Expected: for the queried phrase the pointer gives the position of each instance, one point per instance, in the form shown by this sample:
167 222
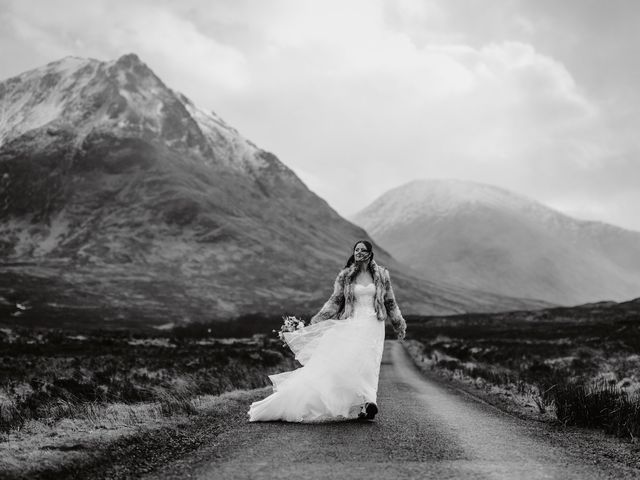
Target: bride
340 350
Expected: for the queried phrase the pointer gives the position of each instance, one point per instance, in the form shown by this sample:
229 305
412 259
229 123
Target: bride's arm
393 311
335 303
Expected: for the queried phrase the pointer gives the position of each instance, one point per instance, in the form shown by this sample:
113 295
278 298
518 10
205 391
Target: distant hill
122 201
483 237
623 315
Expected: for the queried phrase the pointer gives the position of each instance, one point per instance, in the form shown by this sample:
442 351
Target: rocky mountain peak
123 97
131 61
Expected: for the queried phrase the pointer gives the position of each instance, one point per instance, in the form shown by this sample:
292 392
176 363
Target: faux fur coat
340 304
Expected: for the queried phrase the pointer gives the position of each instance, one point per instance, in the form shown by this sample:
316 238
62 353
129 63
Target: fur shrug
340 304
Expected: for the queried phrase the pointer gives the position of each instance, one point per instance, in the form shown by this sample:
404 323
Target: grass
50 375
605 406
580 365
122 441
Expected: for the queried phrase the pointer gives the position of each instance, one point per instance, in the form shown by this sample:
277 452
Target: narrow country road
424 430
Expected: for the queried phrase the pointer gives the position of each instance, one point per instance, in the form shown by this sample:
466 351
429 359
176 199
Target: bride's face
360 253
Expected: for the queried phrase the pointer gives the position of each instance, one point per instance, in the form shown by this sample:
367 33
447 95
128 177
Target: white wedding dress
341 365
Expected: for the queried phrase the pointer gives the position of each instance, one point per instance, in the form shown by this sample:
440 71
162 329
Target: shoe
368 411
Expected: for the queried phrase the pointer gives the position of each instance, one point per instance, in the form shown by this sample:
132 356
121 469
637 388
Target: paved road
425 429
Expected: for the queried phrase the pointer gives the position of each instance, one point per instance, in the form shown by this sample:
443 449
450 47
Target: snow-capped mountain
119 195
123 97
484 237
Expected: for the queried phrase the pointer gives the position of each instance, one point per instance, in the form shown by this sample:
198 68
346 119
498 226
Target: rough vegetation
49 375
579 365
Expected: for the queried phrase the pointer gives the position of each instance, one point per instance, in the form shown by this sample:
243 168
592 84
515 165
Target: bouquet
290 324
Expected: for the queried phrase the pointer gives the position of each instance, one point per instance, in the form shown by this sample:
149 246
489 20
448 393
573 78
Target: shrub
600 406
72 377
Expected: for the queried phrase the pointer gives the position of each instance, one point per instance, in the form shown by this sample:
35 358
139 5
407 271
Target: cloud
595 206
361 96
107 29
400 112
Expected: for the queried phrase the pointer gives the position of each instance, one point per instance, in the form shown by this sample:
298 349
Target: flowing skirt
341 365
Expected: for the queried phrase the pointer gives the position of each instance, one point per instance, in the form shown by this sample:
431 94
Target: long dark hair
352 258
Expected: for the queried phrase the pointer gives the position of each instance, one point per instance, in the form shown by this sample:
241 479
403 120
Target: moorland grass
580 364
49 375
598 406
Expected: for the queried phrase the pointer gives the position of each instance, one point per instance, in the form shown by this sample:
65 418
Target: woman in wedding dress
340 350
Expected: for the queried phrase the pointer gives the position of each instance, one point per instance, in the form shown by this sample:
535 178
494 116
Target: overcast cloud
359 96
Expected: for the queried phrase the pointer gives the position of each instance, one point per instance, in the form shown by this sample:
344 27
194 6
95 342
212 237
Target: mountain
123 202
482 237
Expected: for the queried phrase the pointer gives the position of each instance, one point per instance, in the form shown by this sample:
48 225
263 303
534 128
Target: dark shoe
369 411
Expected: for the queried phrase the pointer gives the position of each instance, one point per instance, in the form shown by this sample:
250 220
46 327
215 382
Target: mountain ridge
134 198
479 236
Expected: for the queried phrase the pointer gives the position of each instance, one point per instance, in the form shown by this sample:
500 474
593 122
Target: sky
360 96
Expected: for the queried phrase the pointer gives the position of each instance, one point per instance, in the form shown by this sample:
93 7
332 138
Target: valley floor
427 425
74 448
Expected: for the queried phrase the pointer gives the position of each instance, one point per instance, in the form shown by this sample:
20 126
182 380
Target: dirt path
425 429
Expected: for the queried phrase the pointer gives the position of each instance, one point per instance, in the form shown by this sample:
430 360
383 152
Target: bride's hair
352 258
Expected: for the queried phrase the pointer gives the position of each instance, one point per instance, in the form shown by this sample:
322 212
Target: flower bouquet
290 324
